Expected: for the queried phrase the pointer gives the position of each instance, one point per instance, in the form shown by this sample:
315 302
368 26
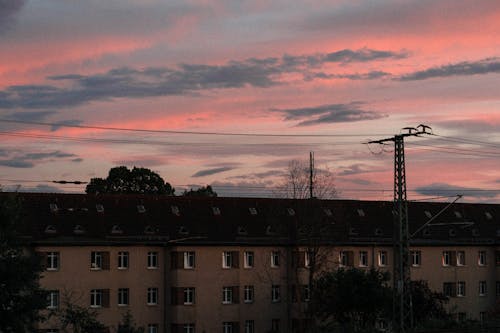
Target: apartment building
243 265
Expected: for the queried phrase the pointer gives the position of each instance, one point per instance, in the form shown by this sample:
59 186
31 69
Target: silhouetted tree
428 305
77 319
21 297
200 192
128 326
138 180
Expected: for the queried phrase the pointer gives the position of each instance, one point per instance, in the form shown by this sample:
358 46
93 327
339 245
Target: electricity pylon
402 303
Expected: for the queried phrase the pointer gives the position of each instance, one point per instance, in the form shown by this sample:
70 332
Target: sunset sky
322 76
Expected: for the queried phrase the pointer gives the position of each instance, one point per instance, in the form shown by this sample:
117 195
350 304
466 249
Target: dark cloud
185 79
260 175
484 66
356 169
471 126
55 126
442 189
13 159
8 10
208 172
331 113
142 161
29 116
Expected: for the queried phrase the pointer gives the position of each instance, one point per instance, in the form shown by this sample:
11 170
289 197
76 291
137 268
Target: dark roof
150 219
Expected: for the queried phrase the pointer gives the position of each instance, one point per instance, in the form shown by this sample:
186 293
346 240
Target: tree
21 297
428 305
352 298
122 180
201 192
128 326
77 319
297 179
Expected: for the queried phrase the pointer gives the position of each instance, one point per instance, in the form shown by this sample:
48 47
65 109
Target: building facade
243 265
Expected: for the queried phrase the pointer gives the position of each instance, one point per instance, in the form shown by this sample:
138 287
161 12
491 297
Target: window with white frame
123 296
189 259
481 260
460 258
152 328
248 259
152 260
275 293
416 258
248 294
152 297
345 258
96 298
96 260
249 326
482 288
227 295
363 258
227 259
308 256
306 293
382 258
227 327
52 261
189 294
275 259
188 328
122 260
461 288
446 259
53 299
497 288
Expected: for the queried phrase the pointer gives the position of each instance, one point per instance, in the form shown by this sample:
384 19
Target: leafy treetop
201 192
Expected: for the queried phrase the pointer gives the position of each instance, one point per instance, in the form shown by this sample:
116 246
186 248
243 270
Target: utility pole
311 175
402 303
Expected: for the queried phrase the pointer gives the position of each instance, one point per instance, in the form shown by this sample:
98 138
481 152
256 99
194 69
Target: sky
291 76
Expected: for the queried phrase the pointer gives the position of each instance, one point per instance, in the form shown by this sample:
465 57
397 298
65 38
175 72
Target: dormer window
488 215
53 208
378 232
216 211
270 230
99 208
426 232
361 213
148 230
183 230
78 230
328 212
475 232
252 210
175 210
116 230
291 211
458 215
50 229
353 232
141 209
452 232
428 214
242 231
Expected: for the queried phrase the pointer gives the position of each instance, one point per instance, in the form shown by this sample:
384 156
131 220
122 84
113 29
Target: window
482 288
306 293
275 325
52 261
275 293
189 296
189 258
188 328
99 260
53 299
275 259
462 316
460 258
498 288
346 258
363 259
252 210
248 258
229 295
122 296
249 326
152 328
248 294
497 258
308 256
122 260
481 260
382 258
461 288
449 289
230 259
446 258
228 327
152 296
152 260
99 298
482 316
416 258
